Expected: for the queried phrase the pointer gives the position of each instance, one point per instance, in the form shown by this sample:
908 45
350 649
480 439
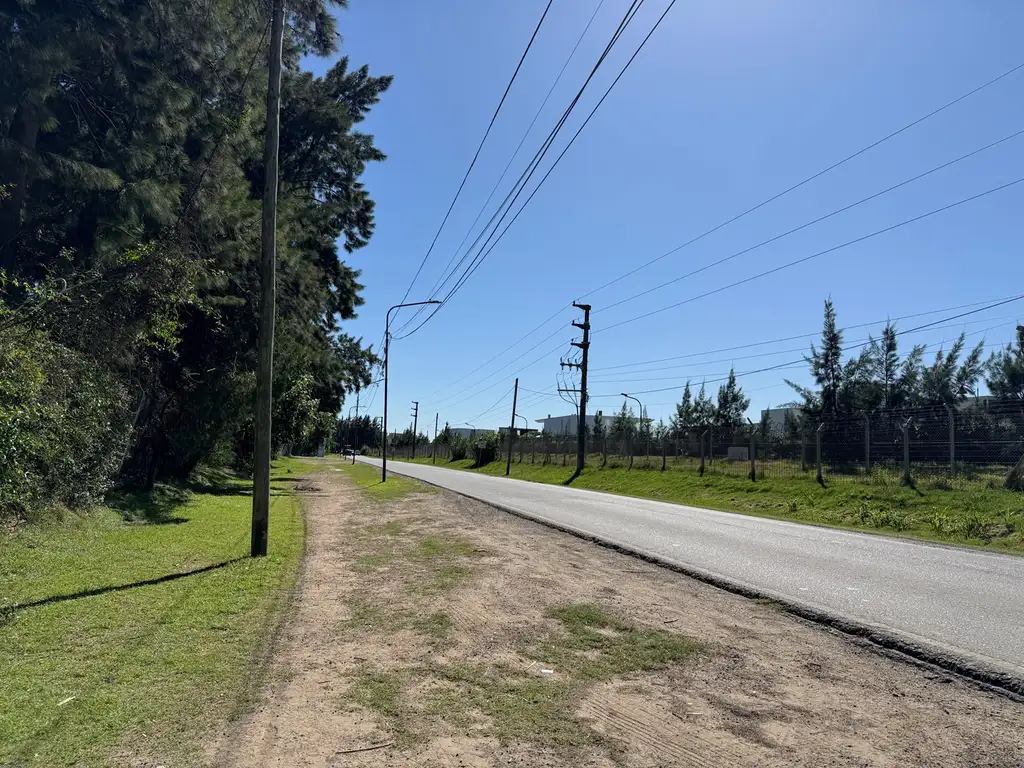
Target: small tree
598 426
732 404
1005 370
703 409
623 425
683 418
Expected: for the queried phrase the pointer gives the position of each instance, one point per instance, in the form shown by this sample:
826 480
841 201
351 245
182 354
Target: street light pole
642 411
387 348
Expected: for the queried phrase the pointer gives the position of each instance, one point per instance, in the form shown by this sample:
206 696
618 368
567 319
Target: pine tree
703 409
624 424
732 405
826 363
683 418
947 381
598 428
1005 370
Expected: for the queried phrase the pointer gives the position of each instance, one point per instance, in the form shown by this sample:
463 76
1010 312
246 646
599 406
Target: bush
459 447
64 426
486 449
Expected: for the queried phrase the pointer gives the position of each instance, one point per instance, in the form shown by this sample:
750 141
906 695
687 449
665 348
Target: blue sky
729 103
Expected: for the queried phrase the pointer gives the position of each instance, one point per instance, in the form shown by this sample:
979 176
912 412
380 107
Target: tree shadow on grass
8 612
572 478
155 507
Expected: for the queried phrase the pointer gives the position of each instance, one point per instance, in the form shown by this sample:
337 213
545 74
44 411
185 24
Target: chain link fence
981 442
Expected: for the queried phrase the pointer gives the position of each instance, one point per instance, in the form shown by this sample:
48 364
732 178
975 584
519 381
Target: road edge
973 668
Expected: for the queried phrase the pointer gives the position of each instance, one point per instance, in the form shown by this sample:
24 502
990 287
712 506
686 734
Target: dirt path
457 635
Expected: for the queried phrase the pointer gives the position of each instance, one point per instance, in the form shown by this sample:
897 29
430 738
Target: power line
511 159
803 362
531 168
488 244
798 336
695 376
834 248
513 344
810 178
480 146
479 260
815 221
550 336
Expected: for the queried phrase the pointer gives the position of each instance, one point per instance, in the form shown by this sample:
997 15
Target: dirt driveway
430 630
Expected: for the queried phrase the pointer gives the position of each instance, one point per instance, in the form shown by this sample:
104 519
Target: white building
566 425
777 416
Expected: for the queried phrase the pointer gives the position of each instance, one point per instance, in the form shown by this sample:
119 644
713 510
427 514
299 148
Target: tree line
131 142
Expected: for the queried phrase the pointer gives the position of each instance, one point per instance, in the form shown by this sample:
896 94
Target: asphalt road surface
959 602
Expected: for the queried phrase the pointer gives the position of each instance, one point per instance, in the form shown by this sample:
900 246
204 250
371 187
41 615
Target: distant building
777 416
467 432
566 425
519 431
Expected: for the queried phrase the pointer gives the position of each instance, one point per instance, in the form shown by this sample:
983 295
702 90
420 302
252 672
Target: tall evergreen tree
1005 370
703 409
732 404
683 418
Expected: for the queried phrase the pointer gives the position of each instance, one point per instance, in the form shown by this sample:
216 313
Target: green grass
598 646
961 512
378 691
368 478
99 657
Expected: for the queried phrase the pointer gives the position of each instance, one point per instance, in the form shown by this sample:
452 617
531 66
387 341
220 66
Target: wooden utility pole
512 426
268 293
581 421
355 432
415 424
433 452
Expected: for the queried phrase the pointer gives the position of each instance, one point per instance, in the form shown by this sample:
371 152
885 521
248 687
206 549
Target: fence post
905 427
867 443
604 452
520 450
630 448
817 446
753 456
702 436
803 450
952 440
664 454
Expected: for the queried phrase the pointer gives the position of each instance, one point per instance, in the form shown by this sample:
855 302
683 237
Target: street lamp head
624 394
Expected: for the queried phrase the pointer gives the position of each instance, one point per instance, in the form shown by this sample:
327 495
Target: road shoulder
441 631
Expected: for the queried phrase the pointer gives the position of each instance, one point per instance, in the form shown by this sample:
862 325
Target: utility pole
584 346
415 424
268 294
512 426
355 433
433 452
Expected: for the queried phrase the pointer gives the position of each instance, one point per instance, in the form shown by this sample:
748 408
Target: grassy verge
126 632
368 478
967 513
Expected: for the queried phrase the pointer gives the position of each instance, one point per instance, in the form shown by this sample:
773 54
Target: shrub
64 426
486 449
459 447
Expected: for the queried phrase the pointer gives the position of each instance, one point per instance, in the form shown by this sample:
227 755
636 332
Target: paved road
942 598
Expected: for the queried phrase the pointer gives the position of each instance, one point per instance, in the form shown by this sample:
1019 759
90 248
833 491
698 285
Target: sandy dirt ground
405 606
